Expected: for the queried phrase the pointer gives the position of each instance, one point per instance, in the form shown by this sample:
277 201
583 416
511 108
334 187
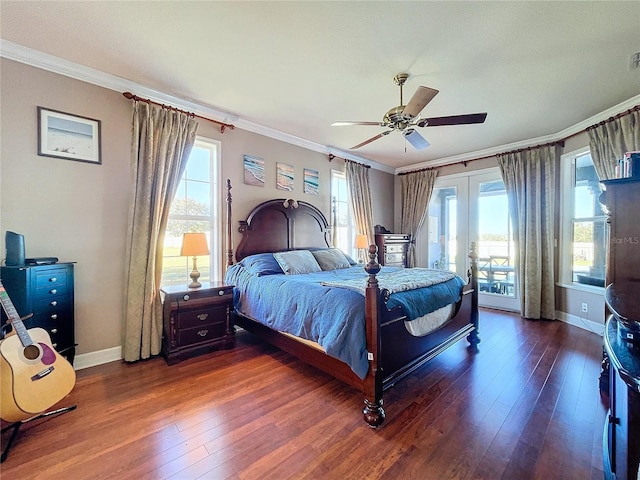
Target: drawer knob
53 291
54 330
52 279
221 292
54 303
203 333
203 316
186 297
54 316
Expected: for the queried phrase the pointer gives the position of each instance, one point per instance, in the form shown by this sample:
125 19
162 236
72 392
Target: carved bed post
373 412
473 338
229 236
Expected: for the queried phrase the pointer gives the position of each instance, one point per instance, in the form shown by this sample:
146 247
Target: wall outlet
585 308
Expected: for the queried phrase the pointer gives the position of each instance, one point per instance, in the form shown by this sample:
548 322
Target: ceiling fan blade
452 120
419 100
415 139
347 124
380 135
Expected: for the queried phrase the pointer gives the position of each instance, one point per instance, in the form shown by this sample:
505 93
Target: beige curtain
416 188
530 180
357 176
162 141
611 139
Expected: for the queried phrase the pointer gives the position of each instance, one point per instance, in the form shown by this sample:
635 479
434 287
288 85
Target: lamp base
194 275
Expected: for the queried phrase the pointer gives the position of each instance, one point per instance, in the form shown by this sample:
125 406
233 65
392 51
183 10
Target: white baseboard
594 327
92 359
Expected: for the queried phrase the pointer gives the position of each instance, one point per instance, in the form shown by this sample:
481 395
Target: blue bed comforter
331 316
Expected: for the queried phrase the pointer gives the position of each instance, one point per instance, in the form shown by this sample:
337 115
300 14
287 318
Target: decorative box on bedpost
373 412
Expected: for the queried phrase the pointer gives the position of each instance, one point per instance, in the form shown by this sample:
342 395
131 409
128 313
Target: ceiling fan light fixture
415 139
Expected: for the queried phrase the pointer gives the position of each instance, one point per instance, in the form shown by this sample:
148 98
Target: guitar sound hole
31 352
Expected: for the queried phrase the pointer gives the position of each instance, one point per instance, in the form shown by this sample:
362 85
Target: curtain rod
136 98
332 156
615 117
561 142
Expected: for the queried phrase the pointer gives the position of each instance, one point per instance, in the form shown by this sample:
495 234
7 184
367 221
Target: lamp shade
361 241
194 244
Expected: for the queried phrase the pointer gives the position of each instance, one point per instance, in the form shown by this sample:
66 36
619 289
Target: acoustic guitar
33 376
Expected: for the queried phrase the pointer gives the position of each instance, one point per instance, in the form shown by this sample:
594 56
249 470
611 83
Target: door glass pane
496 252
442 228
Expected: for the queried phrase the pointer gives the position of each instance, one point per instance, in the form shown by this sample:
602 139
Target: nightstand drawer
196 320
197 317
203 333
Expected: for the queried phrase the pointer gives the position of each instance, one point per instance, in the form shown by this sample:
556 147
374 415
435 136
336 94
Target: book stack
629 166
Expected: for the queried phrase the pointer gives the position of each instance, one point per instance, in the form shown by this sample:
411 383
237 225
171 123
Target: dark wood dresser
622 433
196 320
621 363
47 291
392 249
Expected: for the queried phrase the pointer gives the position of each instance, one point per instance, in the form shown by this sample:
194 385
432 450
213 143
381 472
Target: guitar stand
16 426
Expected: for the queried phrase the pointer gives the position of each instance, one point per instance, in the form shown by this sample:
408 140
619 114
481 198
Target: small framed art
72 137
311 181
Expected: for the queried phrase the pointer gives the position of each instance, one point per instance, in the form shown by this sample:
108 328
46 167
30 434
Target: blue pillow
261 264
296 262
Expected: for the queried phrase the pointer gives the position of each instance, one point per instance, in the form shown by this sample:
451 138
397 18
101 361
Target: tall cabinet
46 291
621 365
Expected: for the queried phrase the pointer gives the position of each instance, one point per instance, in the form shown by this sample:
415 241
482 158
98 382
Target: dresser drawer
396 258
51 303
55 277
394 248
203 333
201 316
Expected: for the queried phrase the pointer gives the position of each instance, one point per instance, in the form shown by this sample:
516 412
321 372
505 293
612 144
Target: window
344 230
584 233
195 208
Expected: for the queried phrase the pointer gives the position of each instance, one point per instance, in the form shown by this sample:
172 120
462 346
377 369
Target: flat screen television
14 244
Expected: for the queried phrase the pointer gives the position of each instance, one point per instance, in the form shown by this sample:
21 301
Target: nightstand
196 320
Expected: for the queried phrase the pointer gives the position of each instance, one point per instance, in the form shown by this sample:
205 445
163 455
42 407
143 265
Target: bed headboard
280 225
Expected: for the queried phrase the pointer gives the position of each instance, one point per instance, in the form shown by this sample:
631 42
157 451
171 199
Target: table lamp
193 245
362 243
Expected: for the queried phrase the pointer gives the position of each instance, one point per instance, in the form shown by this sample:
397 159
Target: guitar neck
13 318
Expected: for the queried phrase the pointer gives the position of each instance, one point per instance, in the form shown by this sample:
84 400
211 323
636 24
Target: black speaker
14 243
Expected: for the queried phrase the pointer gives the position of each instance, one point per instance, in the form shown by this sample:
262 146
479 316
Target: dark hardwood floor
526 406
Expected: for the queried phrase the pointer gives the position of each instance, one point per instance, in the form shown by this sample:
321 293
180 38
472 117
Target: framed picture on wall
72 137
311 182
253 171
284 176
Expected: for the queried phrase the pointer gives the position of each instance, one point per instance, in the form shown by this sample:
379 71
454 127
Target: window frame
567 220
338 175
215 217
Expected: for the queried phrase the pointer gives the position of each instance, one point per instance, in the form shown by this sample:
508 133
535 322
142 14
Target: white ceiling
537 68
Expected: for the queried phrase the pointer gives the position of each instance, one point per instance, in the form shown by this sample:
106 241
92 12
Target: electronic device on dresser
620 378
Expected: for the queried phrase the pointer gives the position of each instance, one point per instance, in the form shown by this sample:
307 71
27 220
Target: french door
472 208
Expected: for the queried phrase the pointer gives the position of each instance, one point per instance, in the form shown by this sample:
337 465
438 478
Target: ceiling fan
405 117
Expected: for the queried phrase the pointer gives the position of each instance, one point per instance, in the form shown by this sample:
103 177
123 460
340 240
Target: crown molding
51 63
556 137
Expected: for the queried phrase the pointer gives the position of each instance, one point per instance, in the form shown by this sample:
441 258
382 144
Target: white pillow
296 262
331 259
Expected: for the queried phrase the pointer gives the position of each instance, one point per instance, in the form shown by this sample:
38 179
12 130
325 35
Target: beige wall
78 211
